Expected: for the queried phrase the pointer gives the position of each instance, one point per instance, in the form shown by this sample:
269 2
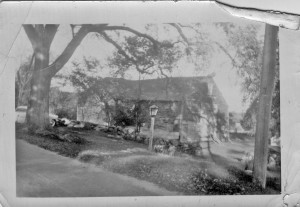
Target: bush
66 113
189 148
68 149
127 116
203 183
123 118
238 183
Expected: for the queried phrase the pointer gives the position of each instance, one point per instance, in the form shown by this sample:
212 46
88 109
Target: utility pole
265 103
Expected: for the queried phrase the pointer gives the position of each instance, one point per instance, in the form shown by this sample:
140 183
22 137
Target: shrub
63 148
189 148
238 183
204 183
66 113
123 118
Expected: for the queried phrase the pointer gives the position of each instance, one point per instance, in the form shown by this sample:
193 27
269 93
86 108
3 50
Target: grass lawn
217 171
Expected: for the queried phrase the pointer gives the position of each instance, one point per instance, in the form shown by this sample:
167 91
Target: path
42 173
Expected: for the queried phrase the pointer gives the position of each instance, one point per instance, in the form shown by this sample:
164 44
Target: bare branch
192 28
68 51
178 28
218 44
228 54
162 72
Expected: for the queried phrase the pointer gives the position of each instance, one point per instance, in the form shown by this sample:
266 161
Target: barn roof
168 89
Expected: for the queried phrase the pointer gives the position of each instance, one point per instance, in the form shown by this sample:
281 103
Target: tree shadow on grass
233 151
219 159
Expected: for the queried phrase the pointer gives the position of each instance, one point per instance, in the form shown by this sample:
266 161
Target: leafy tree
247 60
140 115
93 88
249 119
259 78
143 58
63 104
246 56
22 82
275 113
161 62
41 38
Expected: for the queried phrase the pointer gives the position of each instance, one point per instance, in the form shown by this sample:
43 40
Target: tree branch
119 48
31 34
122 52
79 36
50 30
192 28
156 43
178 28
162 72
228 54
68 51
72 29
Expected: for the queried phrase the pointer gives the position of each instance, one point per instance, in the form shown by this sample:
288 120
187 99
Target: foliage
63 148
139 114
198 100
248 63
247 60
188 43
91 88
249 119
201 101
63 104
220 122
22 82
238 183
123 117
275 111
66 113
41 37
139 54
128 115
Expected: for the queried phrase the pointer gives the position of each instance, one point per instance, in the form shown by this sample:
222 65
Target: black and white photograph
149 103
147 109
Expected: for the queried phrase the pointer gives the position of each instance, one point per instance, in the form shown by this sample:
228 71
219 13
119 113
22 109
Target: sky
225 76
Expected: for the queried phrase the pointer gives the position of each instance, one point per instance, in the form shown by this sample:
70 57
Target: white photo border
14 14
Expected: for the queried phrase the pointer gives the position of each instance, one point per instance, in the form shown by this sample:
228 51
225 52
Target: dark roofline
188 78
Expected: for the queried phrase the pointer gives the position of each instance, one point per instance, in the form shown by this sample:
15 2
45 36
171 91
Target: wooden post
181 120
152 134
265 102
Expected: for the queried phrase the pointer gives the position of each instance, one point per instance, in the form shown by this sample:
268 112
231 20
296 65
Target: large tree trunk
265 103
41 37
38 104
